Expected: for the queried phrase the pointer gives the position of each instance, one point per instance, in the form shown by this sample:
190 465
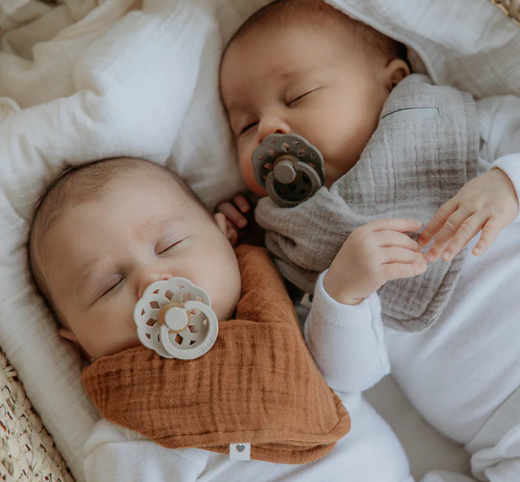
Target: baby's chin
224 304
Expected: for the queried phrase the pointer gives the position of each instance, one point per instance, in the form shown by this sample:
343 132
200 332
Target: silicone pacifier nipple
289 168
174 318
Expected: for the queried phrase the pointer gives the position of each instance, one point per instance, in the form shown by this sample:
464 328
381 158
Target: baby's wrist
337 294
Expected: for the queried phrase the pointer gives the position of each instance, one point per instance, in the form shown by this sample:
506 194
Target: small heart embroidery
240 448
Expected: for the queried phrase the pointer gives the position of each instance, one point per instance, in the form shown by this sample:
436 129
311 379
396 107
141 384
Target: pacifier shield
174 318
289 168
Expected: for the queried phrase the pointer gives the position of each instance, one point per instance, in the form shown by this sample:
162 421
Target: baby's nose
268 133
272 124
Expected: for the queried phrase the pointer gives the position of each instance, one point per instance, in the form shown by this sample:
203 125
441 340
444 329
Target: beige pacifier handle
175 316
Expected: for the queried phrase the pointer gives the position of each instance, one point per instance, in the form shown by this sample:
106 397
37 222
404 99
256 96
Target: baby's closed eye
165 246
296 99
248 126
116 281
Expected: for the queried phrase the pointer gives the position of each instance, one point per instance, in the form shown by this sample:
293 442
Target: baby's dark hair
319 12
79 184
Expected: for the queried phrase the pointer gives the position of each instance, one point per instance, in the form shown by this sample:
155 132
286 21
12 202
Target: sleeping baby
394 146
106 236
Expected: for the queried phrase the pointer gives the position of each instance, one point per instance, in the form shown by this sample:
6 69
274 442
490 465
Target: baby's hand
233 211
372 255
488 203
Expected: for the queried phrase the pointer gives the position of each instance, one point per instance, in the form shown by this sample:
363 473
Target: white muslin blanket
91 79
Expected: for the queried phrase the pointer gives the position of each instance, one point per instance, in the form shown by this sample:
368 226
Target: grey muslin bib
423 151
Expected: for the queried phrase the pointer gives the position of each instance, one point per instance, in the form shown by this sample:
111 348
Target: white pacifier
174 318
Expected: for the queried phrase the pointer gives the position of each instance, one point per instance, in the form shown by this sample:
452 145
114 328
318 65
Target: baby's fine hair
78 184
359 35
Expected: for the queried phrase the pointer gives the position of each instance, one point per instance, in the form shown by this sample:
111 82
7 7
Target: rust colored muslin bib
258 384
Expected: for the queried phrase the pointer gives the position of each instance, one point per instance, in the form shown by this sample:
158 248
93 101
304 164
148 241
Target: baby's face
102 255
300 80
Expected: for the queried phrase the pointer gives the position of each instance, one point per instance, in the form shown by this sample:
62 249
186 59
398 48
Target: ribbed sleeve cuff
327 308
510 164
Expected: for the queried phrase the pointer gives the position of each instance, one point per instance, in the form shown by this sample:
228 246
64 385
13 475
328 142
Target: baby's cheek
248 175
110 327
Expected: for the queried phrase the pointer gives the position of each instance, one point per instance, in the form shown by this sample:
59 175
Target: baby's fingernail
430 257
241 223
424 267
476 251
446 256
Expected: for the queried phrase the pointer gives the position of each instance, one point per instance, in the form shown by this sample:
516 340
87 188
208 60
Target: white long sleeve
112 454
347 342
459 372
499 124
369 452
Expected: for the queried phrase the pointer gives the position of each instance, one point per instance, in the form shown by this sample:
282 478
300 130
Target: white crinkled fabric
90 79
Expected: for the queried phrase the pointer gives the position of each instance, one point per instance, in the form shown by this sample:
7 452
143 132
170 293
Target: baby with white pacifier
105 232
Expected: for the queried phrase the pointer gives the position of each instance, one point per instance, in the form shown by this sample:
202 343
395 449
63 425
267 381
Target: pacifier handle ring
209 341
314 179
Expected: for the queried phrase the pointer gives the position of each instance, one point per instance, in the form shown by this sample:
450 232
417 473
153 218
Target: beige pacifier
174 318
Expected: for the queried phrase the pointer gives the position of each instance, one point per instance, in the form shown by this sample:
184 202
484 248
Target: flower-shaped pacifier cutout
174 318
289 168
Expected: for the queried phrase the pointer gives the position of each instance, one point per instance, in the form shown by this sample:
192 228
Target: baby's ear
68 335
396 71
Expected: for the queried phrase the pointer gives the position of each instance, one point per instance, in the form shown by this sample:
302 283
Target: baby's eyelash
178 241
298 98
105 292
247 127
301 96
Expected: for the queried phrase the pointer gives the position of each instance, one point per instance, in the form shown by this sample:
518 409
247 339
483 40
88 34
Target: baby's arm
111 456
344 331
347 342
489 202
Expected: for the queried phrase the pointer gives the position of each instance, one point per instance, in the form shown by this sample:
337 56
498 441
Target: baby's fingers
469 228
402 255
489 233
387 239
393 224
232 214
436 223
242 204
450 228
403 270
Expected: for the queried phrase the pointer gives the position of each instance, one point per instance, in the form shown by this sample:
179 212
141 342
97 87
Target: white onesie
463 373
370 452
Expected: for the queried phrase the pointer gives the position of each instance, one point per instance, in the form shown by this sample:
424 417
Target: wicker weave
510 7
27 451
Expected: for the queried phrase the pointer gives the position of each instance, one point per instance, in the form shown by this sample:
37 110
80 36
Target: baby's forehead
342 35
98 183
